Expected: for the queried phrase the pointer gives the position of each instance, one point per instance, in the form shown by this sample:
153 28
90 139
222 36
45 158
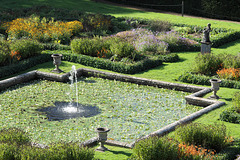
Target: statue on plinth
206 33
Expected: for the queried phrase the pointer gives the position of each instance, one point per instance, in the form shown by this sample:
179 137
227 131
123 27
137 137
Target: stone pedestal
206 47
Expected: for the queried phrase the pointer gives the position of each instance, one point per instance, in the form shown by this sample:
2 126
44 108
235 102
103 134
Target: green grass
113 153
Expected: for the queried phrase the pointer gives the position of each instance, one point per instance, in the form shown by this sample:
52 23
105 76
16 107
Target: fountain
67 110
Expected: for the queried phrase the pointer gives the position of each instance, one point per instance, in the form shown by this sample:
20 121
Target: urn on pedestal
215 87
57 62
102 137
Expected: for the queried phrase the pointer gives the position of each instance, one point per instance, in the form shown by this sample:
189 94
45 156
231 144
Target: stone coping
194 98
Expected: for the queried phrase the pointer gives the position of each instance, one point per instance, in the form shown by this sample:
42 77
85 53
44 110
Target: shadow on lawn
120 152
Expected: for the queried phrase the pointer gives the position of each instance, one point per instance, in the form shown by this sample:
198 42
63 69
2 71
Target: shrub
207 64
145 41
26 48
178 43
149 44
208 136
230 61
122 50
159 26
4 52
155 148
94 22
87 46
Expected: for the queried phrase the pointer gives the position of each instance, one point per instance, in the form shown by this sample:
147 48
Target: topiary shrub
208 136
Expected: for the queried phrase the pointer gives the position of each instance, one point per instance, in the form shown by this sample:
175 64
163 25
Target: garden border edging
194 98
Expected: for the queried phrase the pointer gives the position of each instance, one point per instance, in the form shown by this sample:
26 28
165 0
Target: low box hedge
119 67
89 61
189 77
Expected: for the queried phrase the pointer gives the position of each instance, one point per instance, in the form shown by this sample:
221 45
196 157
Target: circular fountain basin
66 110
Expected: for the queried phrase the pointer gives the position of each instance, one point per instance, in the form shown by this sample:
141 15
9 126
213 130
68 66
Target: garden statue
206 32
206 43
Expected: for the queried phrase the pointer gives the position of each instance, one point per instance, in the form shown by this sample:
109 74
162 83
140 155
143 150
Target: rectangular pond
129 110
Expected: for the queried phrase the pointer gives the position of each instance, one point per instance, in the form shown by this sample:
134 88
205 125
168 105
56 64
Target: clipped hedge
180 48
173 57
189 77
24 65
113 66
225 37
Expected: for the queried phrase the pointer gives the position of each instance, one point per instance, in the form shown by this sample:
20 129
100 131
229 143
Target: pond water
129 110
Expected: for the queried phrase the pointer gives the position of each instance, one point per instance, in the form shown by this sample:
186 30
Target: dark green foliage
207 8
26 47
220 9
4 52
155 148
193 78
208 136
23 65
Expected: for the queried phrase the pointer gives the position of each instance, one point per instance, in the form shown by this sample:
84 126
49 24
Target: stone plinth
206 47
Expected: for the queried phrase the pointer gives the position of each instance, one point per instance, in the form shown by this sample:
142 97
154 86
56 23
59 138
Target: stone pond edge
194 98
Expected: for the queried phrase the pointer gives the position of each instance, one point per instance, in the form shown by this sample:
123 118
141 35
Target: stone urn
57 62
215 87
102 137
